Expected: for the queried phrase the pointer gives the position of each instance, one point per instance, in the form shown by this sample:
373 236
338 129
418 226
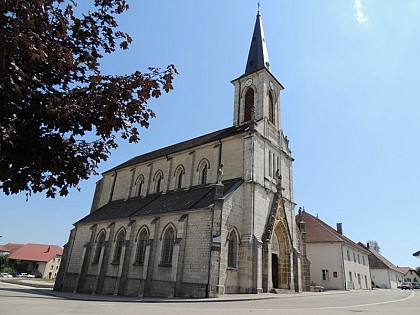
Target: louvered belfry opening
271 107
249 104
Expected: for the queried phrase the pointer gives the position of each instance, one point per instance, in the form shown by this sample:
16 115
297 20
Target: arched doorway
280 257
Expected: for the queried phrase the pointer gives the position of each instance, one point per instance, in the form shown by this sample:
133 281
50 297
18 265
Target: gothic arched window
232 249
158 181
168 246
204 175
249 104
270 107
100 241
119 243
141 246
179 175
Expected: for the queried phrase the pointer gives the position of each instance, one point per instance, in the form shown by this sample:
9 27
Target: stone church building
208 216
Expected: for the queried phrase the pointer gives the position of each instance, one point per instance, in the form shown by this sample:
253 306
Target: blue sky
349 108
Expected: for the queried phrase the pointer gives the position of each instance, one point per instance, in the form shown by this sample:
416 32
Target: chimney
340 228
368 245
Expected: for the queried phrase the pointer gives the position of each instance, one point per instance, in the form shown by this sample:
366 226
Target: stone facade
212 215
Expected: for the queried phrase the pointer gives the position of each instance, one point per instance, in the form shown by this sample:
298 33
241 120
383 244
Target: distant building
336 262
410 274
42 260
384 273
4 250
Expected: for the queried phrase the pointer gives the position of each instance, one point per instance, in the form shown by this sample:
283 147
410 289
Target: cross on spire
258 4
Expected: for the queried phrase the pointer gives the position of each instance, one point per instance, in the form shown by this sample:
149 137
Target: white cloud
360 15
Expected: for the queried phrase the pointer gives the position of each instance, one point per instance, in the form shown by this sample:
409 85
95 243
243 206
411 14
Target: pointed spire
258 55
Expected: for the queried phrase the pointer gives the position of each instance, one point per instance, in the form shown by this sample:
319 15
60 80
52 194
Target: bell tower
257 91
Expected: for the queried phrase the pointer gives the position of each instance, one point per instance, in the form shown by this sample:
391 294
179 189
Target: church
208 216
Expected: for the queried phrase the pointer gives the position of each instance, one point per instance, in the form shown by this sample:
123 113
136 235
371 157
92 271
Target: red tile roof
4 249
317 231
12 247
37 252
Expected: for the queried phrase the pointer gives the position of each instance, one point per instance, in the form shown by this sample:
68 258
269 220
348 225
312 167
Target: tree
418 270
374 245
60 116
5 264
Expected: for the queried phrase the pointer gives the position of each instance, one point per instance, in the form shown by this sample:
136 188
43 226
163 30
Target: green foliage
60 115
5 264
374 245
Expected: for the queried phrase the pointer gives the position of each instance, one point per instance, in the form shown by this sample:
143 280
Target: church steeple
257 91
258 55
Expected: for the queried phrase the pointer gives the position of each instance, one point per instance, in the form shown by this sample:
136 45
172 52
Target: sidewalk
45 287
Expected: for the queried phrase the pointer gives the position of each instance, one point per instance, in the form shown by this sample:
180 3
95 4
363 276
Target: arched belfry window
232 249
119 243
100 242
249 104
141 246
270 107
168 246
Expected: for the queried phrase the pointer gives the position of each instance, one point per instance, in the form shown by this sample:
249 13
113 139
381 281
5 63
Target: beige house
410 274
384 274
204 217
42 260
336 262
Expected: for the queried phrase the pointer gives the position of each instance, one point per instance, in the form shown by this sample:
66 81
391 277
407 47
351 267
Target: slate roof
185 145
317 231
177 200
377 261
258 54
37 252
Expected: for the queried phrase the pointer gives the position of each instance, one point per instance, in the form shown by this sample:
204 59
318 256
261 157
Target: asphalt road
18 300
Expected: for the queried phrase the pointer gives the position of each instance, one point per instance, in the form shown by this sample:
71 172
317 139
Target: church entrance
275 270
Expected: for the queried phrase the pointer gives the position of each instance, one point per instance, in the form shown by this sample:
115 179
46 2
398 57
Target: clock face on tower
248 82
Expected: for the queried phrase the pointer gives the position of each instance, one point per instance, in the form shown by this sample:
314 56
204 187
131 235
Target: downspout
344 271
210 247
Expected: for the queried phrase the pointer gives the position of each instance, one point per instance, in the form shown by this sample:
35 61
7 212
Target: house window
270 107
232 250
348 255
354 257
350 276
358 258
141 246
325 275
358 280
335 275
366 284
119 242
168 246
363 260
249 104
99 245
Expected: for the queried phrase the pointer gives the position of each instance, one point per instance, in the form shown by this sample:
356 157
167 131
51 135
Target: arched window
158 181
270 107
140 184
119 242
141 246
232 249
204 175
100 241
179 176
249 104
168 246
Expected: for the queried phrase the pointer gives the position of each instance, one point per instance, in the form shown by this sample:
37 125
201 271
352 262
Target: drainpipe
210 247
